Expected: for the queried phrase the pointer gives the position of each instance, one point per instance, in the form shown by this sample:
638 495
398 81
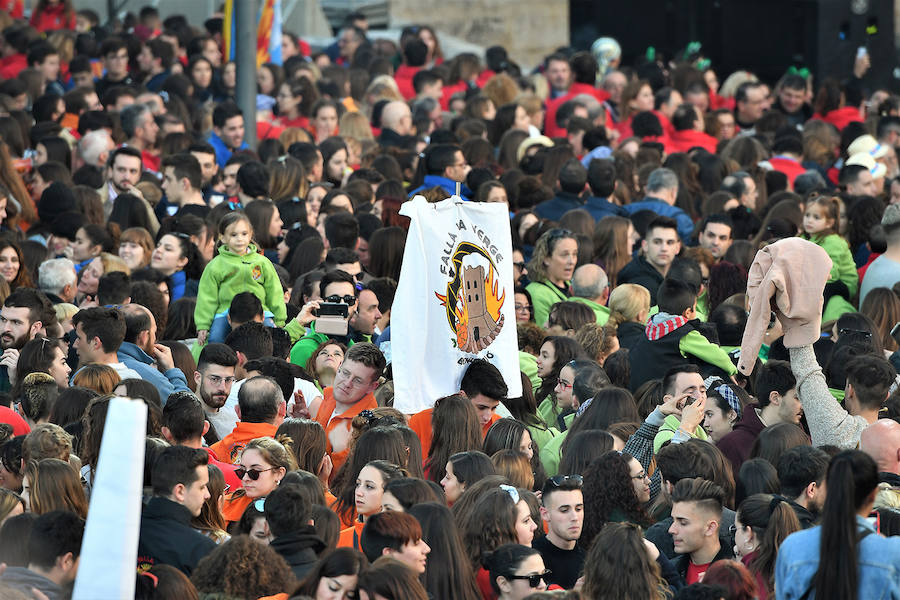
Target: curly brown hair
491 524
242 568
608 489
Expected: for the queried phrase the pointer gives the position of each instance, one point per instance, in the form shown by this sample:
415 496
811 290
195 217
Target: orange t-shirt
229 448
329 421
421 424
349 537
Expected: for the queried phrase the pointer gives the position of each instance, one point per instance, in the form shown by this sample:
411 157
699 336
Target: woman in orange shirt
264 463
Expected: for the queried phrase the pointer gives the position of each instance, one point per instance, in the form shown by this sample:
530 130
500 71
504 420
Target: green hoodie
229 274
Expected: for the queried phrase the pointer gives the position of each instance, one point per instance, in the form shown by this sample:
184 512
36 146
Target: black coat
168 538
300 549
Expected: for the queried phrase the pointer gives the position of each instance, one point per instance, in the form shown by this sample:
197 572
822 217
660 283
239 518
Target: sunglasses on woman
253 474
533 580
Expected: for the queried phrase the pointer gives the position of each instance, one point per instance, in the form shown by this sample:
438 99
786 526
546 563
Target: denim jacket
798 561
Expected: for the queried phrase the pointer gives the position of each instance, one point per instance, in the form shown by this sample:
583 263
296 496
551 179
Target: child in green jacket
238 267
820 225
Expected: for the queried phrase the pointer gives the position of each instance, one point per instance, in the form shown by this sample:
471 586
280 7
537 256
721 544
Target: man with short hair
660 247
697 515
352 392
311 157
682 384
750 104
884 271
396 124
558 72
58 280
590 286
100 333
114 289
260 410
114 56
742 185
349 41
572 179
601 178
228 131
687 131
791 101
94 148
44 58
155 59
397 535
26 312
294 537
141 132
184 424
182 183
179 477
801 474
341 231
483 384
140 352
562 509
715 234
787 153
214 379
662 191
209 168
337 287
777 402
54 549
445 166
366 316
869 380
122 174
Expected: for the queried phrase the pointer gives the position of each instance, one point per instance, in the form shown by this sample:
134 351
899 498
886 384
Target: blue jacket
135 358
555 208
223 153
601 207
448 184
878 560
664 209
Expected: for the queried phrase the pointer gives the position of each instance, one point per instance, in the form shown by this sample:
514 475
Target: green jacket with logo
227 275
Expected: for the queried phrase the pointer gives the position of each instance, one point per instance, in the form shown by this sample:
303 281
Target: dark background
763 36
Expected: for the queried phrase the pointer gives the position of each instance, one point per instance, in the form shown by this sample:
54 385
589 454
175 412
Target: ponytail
772 519
852 475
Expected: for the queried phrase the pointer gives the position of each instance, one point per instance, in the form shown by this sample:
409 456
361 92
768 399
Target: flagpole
246 14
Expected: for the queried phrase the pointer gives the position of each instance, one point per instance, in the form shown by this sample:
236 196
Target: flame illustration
493 303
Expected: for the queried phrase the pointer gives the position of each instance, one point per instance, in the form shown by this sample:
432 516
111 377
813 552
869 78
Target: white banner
454 301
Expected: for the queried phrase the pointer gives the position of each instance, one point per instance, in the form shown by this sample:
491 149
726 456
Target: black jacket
726 552
641 272
629 334
300 549
168 538
807 519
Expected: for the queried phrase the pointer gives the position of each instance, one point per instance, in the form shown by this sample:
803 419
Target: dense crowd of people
706 302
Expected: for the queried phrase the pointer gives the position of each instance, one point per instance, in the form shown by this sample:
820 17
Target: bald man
881 441
141 353
590 286
396 124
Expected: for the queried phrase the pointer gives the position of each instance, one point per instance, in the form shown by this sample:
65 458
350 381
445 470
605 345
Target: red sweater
404 78
682 141
840 117
53 18
788 166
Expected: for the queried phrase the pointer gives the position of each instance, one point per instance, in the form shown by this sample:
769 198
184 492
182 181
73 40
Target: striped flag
268 37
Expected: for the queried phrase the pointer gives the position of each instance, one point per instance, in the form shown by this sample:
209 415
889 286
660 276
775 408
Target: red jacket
788 166
15 8
11 65
682 141
404 78
585 88
449 90
840 117
53 18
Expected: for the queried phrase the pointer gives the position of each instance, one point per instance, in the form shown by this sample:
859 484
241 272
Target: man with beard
25 313
140 352
801 472
214 377
122 174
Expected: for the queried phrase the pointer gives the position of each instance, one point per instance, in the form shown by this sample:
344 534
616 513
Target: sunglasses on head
335 299
533 580
558 480
253 474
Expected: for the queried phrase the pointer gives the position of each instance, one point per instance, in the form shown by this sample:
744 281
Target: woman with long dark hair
841 559
555 353
761 523
449 574
456 428
616 487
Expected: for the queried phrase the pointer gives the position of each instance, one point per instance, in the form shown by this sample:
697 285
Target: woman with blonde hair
53 484
383 87
515 466
11 504
294 134
629 306
613 244
355 125
263 464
